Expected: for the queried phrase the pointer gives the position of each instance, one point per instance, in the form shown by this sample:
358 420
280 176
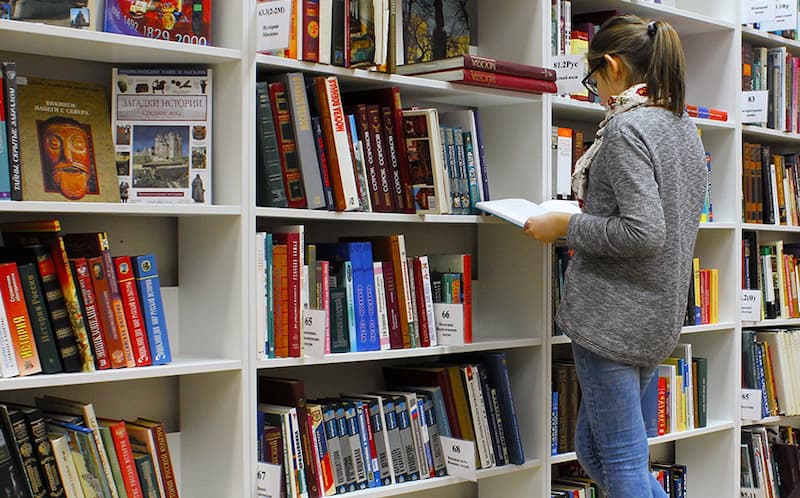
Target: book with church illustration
161 122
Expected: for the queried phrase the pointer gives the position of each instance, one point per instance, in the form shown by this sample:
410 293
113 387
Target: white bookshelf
206 254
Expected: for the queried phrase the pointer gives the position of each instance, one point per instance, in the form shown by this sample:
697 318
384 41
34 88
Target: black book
270 190
9 77
37 431
43 333
13 480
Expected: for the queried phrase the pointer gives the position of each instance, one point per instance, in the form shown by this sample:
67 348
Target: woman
642 184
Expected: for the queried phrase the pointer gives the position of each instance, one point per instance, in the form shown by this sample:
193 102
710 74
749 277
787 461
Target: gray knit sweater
627 283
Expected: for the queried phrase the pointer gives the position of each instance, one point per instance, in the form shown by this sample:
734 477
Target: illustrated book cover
161 122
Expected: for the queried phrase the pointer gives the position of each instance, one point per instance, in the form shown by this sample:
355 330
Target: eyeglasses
590 82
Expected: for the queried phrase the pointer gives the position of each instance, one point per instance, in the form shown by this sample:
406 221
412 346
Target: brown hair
652 53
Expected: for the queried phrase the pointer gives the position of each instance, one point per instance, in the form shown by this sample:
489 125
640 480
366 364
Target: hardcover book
66 153
70 13
161 120
182 21
12 474
425 161
434 29
149 287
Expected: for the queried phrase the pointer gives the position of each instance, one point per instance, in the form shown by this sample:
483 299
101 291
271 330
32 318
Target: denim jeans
610 438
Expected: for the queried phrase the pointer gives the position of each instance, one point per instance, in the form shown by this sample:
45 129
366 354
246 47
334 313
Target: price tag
754 106
751 404
273 18
449 324
785 16
570 70
459 458
751 305
314 333
757 11
268 480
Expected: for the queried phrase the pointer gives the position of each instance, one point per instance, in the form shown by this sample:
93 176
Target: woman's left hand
547 227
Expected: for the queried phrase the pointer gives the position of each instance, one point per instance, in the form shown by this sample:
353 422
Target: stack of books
485 71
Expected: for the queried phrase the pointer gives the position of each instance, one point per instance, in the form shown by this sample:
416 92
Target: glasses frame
591 83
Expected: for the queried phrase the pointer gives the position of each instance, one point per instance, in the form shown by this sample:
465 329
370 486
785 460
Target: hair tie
651 29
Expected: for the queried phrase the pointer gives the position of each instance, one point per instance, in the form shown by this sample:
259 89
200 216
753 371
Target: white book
413 331
342 144
482 436
794 341
325 30
380 301
517 211
261 297
428 293
8 359
66 466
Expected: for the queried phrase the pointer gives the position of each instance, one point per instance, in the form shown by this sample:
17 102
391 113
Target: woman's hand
547 227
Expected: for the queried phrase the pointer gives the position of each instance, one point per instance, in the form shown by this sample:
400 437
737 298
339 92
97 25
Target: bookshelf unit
206 254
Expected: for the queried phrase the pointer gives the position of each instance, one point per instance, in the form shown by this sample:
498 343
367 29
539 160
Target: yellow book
772 398
696 274
714 297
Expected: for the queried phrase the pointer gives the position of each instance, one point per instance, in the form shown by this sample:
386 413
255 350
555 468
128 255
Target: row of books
769 363
335 445
771 266
702 306
770 186
59 447
375 296
67 305
185 22
770 461
570 481
319 149
777 71
675 400
148 141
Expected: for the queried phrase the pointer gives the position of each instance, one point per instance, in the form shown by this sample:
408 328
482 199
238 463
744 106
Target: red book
133 310
386 187
287 148
662 406
93 321
310 30
494 80
487 64
717 115
323 272
19 321
292 237
280 311
380 196
122 447
102 291
422 313
392 306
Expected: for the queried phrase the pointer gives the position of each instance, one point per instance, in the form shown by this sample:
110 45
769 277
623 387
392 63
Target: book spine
70 293
324 165
8 358
344 194
325 469
492 415
334 450
367 443
501 430
19 321
381 445
395 151
5 166
122 446
133 310
304 137
504 81
56 306
491 65
380 301
66 466
269 178
407 442
147 475
90 307
393 306
339 33
352 328
340 339
427 292
292 177
481 151
498 363
164 461
472 172
293 268
44 452
387 193
22 439
149 286
481 437
422 314
359 167
113 460
395 445
40 321
373 328
112 335
421 440
338 128
400 262
368 150
311 30
12 130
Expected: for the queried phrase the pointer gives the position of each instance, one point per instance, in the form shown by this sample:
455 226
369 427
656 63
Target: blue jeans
610 438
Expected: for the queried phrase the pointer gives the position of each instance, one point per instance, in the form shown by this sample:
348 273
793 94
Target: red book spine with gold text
127 466
102 291
19 320
505 81
133 310
93 322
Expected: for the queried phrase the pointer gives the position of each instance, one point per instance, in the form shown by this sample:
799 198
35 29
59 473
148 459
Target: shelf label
449 324
751 404
570 70
314 333
268 480
754 106
459 458
785 16
751 305
757 11
273 18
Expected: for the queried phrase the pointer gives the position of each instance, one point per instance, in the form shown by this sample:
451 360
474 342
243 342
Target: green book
701 398
147 474
42 330
116 471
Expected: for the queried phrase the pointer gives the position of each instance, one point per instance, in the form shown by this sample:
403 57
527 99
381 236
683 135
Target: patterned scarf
633 97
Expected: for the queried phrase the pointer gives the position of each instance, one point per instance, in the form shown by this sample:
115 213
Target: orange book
133 310
403 285
122 447
19 321
280 286
92 312
112 334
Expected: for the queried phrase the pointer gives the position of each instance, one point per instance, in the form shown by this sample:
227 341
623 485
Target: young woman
642 184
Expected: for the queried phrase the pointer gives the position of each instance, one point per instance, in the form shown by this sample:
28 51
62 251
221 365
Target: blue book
407 439
498 378
762 379
364 252
322 159
650 407
149 286
347 451
260 423
359 463
371 466
554 425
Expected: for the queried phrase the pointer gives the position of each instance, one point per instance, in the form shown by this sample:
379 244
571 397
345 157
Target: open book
517 211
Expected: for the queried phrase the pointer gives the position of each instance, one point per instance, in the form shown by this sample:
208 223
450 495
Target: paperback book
517 211
161 121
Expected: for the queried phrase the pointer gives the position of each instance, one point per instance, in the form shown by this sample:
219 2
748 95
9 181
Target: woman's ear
616 70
